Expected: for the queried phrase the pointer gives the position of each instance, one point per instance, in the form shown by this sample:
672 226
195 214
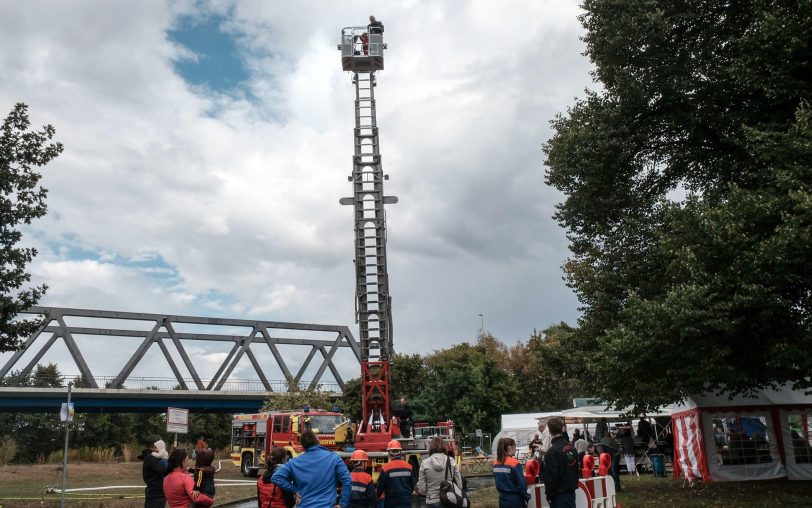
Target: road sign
66 413
177 420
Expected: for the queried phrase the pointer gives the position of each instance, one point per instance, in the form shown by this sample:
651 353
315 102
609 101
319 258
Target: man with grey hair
375 26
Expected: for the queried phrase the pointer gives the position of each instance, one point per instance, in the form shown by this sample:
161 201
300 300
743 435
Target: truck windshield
323 424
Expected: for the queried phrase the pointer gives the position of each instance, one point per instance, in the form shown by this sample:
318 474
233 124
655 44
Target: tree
467 385
408 376
549 376
710 291
36 435
21 201
350 401
296 398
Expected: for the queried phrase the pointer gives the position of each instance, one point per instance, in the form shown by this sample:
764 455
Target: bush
8 449
129 451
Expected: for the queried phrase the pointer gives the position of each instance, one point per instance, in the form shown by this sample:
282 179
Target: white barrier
596 492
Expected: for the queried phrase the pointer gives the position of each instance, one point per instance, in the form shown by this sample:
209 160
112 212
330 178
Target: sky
207 145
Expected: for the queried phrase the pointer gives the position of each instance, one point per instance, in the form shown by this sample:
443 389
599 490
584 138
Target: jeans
615 471
563 500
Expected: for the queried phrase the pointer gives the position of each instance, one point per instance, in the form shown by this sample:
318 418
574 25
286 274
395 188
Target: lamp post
481 324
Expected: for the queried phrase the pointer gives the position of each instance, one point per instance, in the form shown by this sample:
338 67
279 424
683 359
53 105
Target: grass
650 491
25 485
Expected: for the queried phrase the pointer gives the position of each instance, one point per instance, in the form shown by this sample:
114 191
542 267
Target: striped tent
723 438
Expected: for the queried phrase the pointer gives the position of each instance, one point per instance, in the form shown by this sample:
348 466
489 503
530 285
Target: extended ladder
373 300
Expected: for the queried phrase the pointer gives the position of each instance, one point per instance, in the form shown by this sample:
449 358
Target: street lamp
481 324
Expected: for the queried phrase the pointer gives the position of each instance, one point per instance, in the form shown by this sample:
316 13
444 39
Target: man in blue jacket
314 476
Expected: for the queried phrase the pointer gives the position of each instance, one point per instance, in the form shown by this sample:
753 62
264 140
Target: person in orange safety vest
396 483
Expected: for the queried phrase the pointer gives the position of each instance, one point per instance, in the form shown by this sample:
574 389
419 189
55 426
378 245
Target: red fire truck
253 435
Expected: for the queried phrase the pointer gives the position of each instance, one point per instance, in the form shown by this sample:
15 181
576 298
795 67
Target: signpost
66 415
177 421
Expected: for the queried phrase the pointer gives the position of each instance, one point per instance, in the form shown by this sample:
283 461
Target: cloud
236 190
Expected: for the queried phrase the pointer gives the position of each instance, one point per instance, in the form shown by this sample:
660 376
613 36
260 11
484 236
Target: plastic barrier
597 492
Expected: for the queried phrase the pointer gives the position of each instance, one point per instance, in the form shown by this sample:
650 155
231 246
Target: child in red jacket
269 494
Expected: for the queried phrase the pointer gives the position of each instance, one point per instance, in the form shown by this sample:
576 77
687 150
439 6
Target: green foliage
21 201
8 450
296 398
466 384
408 376
549 373
350 401
709 100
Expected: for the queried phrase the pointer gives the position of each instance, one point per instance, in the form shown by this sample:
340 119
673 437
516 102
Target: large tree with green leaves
466 384
687 180
22 200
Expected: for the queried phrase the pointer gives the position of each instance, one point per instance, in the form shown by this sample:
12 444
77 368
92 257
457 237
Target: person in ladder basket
395 483
375 26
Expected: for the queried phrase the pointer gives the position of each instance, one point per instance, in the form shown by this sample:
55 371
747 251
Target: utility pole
65 450
481 324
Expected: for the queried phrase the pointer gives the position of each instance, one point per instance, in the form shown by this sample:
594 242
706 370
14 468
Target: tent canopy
783 396
592 414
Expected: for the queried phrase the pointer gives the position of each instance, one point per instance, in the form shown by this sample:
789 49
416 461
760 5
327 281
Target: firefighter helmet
394 446
359 456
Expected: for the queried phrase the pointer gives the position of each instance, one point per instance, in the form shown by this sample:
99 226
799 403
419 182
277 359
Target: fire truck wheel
246 463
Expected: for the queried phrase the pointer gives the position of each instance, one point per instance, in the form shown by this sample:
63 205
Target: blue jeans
615 471
563 500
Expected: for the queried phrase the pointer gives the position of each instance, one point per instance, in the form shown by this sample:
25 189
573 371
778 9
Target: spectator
542 437
179 488
395 483
601 429
314 475
201 444
270 495
203 476
644 430
576 435
507 474
625 434
581 447
433 471
560 468
154 471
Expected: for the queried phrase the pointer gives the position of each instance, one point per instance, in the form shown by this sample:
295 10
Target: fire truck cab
254 435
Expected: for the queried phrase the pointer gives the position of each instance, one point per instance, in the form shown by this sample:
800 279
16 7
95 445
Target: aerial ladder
362 55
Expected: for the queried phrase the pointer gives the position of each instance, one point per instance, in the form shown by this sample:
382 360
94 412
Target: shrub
8 449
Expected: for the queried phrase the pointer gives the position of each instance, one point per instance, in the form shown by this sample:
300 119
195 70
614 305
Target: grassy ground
24 486
650 491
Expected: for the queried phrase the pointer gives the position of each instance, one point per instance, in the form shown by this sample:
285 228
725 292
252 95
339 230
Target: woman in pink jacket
179 487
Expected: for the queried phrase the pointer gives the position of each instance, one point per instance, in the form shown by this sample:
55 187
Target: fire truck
253 435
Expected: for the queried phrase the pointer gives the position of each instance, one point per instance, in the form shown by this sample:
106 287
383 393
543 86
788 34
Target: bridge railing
171 383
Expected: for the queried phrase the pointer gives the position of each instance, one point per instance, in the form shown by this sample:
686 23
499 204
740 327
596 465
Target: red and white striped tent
732 439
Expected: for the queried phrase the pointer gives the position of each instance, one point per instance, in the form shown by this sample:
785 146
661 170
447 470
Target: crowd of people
319 478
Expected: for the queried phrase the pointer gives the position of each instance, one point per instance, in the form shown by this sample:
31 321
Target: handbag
450 493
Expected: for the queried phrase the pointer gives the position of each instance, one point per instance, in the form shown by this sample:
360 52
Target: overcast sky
207 145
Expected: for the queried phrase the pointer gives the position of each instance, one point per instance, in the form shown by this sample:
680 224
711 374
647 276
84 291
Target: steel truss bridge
123 392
